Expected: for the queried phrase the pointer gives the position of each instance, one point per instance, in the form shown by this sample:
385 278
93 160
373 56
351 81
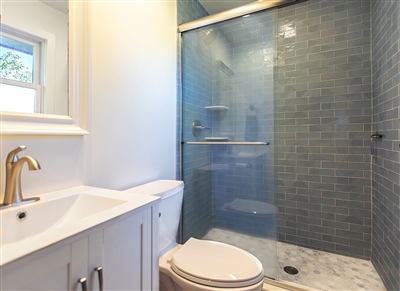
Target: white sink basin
32 219
58 215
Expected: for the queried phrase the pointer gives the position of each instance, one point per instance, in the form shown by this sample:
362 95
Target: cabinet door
79 264
96 263
150 245
38 271
122 254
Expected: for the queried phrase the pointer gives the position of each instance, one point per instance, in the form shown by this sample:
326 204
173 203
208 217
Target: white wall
61 160
132 111
133 93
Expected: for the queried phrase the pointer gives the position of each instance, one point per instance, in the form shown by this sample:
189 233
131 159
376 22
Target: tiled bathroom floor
319 270
326 271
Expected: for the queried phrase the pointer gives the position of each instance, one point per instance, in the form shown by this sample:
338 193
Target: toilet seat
216 264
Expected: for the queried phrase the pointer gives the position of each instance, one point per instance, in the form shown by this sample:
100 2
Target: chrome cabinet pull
99 271
83 283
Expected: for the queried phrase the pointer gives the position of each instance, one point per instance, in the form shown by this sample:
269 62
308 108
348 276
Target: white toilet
197 264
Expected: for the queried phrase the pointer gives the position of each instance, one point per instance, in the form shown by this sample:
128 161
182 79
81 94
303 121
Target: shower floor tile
326 271
317 269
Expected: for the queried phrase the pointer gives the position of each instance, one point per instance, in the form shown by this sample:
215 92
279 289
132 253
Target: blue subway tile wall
324 112
243 54
187 10
195 86
386 161
323 126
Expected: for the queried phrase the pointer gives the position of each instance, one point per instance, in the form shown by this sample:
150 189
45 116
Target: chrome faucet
13 192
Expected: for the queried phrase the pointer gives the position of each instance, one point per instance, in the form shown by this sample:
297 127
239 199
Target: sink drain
21 215
290 270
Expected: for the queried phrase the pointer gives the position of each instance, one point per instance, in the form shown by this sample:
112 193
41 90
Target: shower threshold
273 285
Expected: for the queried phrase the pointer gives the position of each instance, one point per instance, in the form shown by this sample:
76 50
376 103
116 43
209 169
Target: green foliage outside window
11 67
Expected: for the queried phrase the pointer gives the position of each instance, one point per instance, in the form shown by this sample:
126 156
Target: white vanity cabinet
43 270
126 248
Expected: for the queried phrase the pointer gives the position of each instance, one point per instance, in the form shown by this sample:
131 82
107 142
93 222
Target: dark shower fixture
197 128
375 137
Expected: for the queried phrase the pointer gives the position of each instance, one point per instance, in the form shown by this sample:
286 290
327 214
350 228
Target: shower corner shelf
217 107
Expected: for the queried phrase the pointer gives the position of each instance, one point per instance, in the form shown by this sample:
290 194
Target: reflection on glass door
227 127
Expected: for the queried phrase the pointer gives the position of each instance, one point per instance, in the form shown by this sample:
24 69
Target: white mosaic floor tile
326 271
317 269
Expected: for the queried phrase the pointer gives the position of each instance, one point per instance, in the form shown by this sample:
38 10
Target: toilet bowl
197 264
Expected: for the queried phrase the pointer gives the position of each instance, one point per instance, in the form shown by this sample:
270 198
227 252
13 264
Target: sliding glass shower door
227 131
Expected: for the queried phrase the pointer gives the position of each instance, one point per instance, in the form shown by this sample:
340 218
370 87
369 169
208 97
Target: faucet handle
12 156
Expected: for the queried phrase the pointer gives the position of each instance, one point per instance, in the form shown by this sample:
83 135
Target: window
20 72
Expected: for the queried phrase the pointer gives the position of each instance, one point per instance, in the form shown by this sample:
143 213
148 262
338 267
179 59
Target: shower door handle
226 142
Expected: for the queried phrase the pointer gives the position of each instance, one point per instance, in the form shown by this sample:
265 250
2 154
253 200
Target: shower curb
272 285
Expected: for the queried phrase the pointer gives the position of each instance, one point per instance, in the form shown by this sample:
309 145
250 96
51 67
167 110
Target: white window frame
46 86
37 70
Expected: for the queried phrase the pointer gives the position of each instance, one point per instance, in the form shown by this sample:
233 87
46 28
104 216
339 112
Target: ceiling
212 6
215 6
60 5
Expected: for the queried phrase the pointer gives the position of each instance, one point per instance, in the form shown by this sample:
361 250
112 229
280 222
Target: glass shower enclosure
227 132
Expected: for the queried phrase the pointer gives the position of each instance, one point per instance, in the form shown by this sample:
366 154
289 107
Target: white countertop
65 227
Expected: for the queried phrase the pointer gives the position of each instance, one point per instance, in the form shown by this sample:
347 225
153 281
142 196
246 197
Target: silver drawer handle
83 283
99 271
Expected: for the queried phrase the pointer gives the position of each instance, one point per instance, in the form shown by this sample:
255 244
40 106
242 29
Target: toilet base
169 280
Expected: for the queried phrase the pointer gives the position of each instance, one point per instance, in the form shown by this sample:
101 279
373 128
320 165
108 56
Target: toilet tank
171 194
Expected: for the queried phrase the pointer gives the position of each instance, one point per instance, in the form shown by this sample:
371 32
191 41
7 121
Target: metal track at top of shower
235 12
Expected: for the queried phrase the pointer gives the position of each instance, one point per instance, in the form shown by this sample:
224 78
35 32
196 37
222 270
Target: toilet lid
216 264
